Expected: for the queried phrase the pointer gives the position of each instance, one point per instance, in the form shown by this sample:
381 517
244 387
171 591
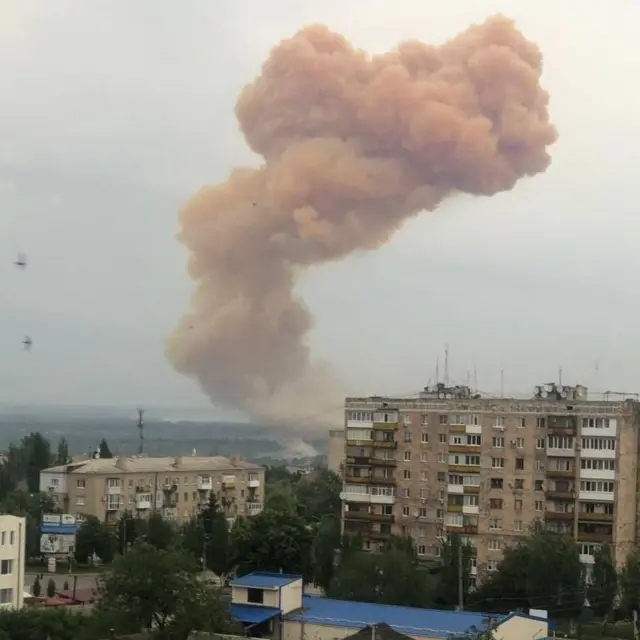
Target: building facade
12 561
335 459
177 488
453 461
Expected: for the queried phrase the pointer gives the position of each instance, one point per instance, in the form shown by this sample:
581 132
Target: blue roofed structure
264 580
250 614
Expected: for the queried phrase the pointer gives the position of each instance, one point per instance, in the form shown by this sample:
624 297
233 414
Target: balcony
464 448
228 482
384 444
144 501
385 426
457 428
559 495
253 483
468 529
253 508
454 508
358 461
470 509
387 481
558 515
382 462
359 443
368 517
463 468
205 484
471 488
557 473
379 535
595 537
562 431
561 453
595 517
351 479
114 490
111 504
169 513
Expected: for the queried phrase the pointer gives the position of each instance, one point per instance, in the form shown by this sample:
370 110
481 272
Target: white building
274 603
12 561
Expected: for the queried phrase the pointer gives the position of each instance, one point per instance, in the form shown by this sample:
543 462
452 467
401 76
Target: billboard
58 533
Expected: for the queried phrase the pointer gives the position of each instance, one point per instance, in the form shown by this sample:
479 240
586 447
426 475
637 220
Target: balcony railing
385 426
558 515
469 529
464 468
557 473
559 495
457 428
384 444
383 462
368 517
454 508
594 537
464 448
595 517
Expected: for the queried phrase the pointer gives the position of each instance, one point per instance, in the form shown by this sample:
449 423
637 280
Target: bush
51 588
36 589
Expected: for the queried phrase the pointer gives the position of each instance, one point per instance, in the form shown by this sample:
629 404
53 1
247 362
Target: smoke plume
353 145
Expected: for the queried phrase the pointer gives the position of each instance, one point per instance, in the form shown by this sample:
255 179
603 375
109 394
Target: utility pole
140 426
460 579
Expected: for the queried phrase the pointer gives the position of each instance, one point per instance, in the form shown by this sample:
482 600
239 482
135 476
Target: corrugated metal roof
252 614
264 580
407 620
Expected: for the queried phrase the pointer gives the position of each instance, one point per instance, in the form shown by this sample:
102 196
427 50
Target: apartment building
453 461
12 561
335 459
174 487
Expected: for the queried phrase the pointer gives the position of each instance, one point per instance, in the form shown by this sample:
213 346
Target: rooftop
265 580
407 620
142 464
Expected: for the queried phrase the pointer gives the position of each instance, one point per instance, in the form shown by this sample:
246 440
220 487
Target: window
439 514
255 596
497 463
517 525
517 505
407 456
522 422
406 492
423 457
595 423
442 457
423 494
494 545
12 537
3 535
424 476
6 596
539 465
538 485
500 421
497 443
422 513
495 524
519 464
405 512
424 419
80 501
518 483
560 442
475 419
407 474
424 437
497 483
387 510
495 503
541 423
539 505
444 419
442 437
456 440
406 436
360 416
81 483
6 567
587 549
540 443
422 549
472 461
474 440
599 486
598 464
442 476
113 483
519 443
406 419
600 444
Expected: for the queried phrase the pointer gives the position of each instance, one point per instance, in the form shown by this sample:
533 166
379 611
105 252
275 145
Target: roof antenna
140 426
446 364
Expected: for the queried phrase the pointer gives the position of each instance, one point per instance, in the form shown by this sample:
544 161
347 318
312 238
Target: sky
113 113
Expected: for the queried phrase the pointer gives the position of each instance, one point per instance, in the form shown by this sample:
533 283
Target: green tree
103 449
56 623
453 552
159 532
129 529
63 451
281 497
318 494
94 537
630 584
216 537
326 544
272 541
36 456
160 589
51 588
542 571
36 588
392 576
603 586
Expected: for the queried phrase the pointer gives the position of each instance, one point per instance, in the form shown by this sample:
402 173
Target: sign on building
58 533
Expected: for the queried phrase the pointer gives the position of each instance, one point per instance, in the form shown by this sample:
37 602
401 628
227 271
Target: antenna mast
446 364
140 426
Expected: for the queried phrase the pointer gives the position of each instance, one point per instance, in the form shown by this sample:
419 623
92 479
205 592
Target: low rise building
12 561
274 603
175 487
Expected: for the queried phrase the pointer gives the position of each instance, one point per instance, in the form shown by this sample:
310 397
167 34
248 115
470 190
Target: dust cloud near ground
353 146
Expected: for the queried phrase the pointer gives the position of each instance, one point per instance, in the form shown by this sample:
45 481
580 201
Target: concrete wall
291 596
271 597
335 459
12 547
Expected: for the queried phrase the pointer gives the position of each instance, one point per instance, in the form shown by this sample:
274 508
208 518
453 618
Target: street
85 580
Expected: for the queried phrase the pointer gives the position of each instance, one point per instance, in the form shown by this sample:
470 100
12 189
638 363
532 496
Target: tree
602 590
454 552
36 588
159 533
36 456
542 571
103 449
94 537
129 529
630 584
216 537
51 588
63 451
318 494
56 623
392 576
326 543
272 541
160 589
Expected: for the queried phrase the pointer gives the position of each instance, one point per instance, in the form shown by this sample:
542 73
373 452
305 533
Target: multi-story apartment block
174 487
453 461
12 561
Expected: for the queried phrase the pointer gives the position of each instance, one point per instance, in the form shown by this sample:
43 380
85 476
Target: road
85 580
